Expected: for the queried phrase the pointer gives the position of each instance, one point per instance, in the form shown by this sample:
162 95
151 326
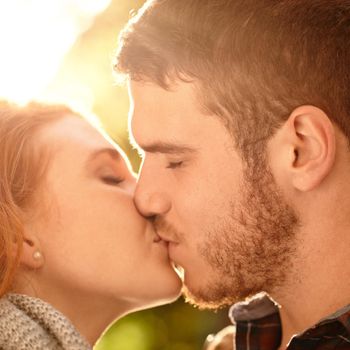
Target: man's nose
151 202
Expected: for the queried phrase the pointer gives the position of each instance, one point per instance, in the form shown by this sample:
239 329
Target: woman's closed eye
112 180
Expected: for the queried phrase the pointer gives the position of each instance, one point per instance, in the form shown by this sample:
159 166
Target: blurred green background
87 32
172 327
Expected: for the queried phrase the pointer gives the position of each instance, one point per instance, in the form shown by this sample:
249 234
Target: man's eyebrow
111 152
166 148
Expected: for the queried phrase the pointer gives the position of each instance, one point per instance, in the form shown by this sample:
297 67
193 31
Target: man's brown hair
253 61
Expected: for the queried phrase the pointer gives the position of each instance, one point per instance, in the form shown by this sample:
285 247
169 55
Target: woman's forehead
73 140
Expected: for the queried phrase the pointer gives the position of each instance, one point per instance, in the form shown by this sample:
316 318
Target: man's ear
31 253
311 147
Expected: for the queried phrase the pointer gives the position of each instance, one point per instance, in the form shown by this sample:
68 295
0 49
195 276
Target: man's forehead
147 95
172 123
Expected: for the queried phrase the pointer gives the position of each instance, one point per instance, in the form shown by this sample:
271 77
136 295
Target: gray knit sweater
28 323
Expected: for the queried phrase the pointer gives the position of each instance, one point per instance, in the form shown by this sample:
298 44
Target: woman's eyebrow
111 152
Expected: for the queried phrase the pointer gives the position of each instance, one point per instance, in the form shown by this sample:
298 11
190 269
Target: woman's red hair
21 169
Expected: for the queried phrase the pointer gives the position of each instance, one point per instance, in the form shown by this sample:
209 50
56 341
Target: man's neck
319 288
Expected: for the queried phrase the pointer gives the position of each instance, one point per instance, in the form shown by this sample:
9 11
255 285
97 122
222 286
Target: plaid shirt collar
258 327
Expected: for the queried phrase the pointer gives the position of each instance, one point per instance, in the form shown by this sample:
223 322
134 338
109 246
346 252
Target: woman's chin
163 296
173 295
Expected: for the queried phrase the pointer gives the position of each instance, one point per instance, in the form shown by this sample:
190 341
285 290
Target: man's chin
207 298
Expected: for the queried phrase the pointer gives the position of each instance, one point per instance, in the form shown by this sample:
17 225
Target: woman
74 252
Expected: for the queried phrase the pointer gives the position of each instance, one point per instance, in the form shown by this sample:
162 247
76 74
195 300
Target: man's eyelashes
174 165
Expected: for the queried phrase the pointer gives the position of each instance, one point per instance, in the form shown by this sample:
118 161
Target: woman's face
93 240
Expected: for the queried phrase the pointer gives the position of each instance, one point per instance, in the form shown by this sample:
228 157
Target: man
241 109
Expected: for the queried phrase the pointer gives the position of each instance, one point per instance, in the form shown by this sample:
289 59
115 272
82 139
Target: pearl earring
37 255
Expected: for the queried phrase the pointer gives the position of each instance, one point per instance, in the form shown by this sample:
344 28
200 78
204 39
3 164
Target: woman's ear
311 136
31 253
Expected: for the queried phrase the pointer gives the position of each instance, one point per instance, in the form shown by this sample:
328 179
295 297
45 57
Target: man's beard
251 248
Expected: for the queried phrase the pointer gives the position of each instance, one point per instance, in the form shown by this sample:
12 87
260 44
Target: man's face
230 230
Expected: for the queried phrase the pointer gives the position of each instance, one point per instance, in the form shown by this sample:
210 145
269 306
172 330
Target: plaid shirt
258 327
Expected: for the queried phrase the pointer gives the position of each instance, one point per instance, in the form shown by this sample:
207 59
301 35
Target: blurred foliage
89 65
87 73
178 326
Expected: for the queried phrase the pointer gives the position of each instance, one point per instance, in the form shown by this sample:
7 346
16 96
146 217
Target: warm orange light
34 37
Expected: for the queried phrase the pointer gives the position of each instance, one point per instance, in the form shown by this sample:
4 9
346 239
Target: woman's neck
89 314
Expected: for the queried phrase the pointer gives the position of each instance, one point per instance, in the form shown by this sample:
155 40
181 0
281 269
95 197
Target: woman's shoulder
31 323
223 340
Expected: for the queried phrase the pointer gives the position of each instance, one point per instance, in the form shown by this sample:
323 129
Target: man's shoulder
223 340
